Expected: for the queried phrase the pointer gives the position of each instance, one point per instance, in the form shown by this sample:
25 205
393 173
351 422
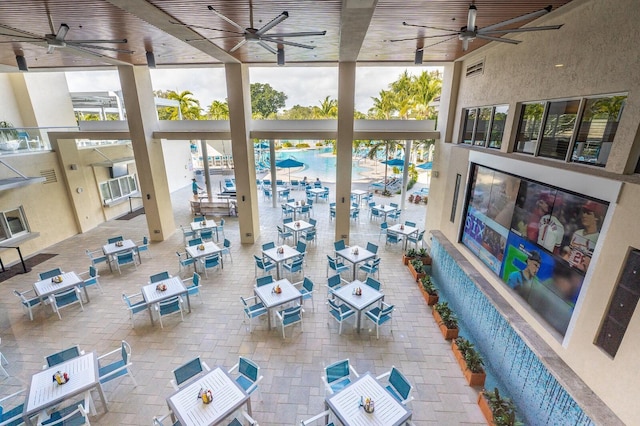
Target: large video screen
538 239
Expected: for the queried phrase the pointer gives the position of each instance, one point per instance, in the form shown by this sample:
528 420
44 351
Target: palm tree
189 106
384 106
404 98
426 87
328 108
218 110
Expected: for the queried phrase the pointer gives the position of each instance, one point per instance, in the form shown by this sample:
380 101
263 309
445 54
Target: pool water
318 164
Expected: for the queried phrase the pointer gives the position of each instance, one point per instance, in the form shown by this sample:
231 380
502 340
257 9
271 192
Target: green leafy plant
503 409
447 317
10 132
428 285
423 252
411 252
471 356
418 266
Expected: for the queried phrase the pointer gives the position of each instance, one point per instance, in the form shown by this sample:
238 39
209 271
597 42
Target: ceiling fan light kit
418 58
151 59
281 56
22 63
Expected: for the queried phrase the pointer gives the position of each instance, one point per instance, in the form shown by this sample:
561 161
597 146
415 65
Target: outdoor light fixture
280 56
22 63
418 58
151 60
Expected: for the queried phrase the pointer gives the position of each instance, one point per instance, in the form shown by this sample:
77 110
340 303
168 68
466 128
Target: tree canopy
265 100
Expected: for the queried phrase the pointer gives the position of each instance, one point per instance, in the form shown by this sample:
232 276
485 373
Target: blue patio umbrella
262 145
426 166
394 162
289 163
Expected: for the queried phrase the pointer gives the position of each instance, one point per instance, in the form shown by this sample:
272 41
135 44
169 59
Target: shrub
471 356
447 316
302 145
287 144
428 285
503 409
418 265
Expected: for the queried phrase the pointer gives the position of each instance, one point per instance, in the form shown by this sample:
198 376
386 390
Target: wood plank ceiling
154 25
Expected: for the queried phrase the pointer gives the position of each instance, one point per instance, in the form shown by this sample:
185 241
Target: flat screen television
118 170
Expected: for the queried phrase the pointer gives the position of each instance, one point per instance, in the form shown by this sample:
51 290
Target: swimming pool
318 164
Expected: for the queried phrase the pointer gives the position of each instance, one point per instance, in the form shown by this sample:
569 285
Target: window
13 223
454 203
529 128
558 129
116 189
484 126
597 129
469 124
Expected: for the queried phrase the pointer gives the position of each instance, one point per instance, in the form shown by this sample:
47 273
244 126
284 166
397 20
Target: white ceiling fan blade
302 34
502 40
23 38
238 46
115 41
85 45
465 45
86 53
221 16
269 48
521 30
526 17
14 32
471 18
62 32
275 21
439 42
288 43
211 38
206 28
424 37
50 49
406 24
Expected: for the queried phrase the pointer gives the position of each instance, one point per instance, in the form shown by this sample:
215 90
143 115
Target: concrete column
152 175
449 100
344 143
239 99
272 167
205 168
405 173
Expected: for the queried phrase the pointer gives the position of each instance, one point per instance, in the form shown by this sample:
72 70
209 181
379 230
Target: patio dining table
175 287
209 249
368 297
384 209
355 255
110 250
297 227
288 252
228 396
316 192
45 288
271 300
208 224
404 230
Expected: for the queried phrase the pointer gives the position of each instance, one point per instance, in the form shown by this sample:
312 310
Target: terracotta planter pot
416 276
485 409
426 260
447 333
474 379
406 259
430 299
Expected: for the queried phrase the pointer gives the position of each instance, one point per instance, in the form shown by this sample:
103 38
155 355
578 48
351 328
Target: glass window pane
3 227
497 127
132 183
15 222
124 184
558 129
114 186
105 191
484 117
469 121
597 130
529 128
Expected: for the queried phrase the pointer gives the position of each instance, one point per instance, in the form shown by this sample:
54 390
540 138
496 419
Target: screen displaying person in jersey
538 239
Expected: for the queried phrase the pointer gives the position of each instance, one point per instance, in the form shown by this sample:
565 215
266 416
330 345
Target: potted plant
497 410
8 137
423 255
429 291
470 361
446 320
410 254
417 269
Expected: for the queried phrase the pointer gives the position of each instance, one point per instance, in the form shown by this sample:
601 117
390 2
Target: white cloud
305 86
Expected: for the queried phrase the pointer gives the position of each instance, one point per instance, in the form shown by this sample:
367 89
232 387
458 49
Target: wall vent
475 69
49 175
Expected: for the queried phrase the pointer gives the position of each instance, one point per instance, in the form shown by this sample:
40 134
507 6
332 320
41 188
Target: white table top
227 397
209 249
46 287
271 299
369 295
303 225
351 208
399 228
296 205
110 249
289 253
209 224
45 392
175 286
363 254
346 404
387 208
358 192
316 191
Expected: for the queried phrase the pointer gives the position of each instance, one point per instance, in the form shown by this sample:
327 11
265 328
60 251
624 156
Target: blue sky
303 85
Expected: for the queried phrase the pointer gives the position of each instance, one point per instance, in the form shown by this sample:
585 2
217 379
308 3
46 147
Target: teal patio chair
307 291
371 268
134 306
115 239
171 306
165 420
226 249
62 356
75 414
28 303
333 283
294 267
334 265
92 279
317 417
188 370
184 261
210 262
97 257
289 317
142 245
194 242
267 279
265 265
126 258
339 312
399 387
380 315
193 285
12 416
419 239
268 246
160 276
283 235
65 298
248 374
409 223
50 273
253 308
373 283
383 229
115 364
337 376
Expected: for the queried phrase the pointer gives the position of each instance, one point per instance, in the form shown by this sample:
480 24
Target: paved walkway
291 389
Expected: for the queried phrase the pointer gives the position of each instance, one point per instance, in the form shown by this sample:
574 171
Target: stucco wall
177 162
597 48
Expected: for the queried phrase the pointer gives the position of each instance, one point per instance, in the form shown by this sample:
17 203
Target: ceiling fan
57 40
260 35
470 32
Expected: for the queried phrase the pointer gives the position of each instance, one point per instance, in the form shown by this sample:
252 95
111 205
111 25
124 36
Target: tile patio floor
292 389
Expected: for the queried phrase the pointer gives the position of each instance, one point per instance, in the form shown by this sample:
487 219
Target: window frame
488 130
131 180
4 223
